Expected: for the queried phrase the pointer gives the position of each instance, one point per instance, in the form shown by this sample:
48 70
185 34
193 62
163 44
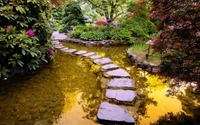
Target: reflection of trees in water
143 100
191 107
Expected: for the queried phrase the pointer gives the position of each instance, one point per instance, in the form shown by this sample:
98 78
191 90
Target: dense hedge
25 35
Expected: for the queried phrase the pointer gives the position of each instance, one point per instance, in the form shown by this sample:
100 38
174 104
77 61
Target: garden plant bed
93 43
138 55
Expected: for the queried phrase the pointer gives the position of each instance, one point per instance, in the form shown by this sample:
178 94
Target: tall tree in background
179 39
110 8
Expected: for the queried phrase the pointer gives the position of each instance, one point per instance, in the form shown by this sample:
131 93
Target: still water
69 90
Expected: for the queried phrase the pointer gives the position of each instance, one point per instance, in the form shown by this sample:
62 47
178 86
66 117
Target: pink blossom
101 22
30 33
51 51
7 29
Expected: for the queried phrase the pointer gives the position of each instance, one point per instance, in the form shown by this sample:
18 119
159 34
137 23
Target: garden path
119 89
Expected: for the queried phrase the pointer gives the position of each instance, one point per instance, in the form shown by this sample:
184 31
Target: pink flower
7 29
51 51
30 33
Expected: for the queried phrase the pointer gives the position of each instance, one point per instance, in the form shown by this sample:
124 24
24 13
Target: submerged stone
109 66
121 95
118 73
112 113
89 54
80 52
121 83
95 57
102 61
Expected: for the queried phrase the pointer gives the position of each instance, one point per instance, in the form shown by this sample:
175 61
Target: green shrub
76 33
25 35
139 27
120 34
90 27
72 16
95 35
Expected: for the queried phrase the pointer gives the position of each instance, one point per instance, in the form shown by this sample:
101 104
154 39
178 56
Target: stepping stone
121 95
102 61
109 66
64 49
121 83
60 36
89 54
70 50
95 57
59 46
80 52
56 42
112 113
118 73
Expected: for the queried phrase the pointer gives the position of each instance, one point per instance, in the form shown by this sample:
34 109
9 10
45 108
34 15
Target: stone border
93 43
119 89
143 64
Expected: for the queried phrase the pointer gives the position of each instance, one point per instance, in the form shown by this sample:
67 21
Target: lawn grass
141 49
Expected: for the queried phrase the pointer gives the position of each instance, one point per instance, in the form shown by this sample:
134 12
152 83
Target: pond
69 91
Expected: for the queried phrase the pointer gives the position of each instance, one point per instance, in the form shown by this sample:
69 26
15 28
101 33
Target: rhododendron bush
25 35
179 38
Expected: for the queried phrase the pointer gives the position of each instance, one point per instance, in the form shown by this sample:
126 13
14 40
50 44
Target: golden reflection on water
75 116
158 89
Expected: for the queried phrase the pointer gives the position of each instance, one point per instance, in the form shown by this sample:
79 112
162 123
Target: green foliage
139 27
76 34
72 16
95 35
25 34
120 34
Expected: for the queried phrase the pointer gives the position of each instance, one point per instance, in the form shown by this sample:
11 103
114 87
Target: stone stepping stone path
89 54
119 88
121 83
109 112
102 61
93 57
121 95
81 52
118 73
109 67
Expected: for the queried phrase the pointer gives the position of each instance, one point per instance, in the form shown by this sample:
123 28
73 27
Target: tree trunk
109 21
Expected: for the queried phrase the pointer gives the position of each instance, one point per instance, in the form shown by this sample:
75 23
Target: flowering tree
110 8
25 35
179 38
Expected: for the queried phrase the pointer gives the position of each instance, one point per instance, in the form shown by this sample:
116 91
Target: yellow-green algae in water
41 98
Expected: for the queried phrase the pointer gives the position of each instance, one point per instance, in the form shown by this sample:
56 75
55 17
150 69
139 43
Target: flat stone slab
121 83
60 36
80 52
56 42
102 61
95 57
59 46
70 50
64 49
121 95
89 54
113 113
109 66
118 73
